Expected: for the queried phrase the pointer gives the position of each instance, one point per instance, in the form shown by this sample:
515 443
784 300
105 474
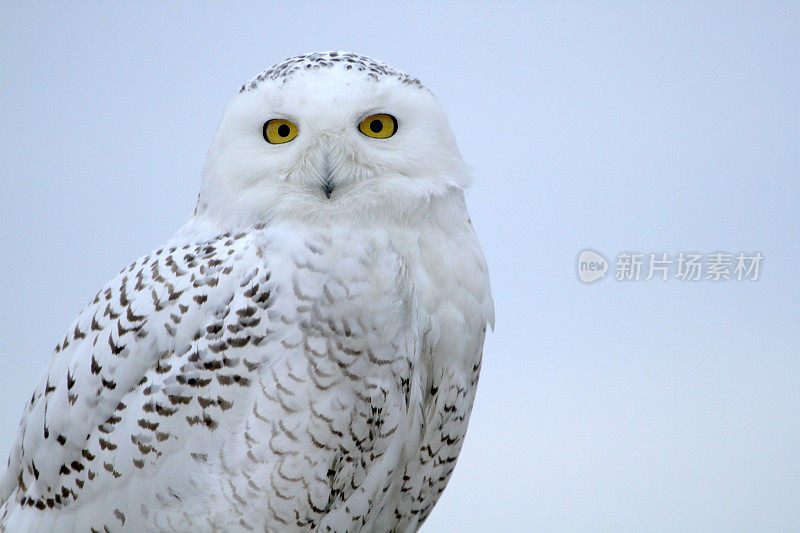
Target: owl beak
327 182
328 186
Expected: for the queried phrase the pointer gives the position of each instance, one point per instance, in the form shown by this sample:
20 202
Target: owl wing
160 354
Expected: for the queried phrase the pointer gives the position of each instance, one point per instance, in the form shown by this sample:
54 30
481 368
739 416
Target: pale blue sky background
663 127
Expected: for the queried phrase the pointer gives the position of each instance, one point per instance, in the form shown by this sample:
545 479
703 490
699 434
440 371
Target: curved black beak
328 186
327 183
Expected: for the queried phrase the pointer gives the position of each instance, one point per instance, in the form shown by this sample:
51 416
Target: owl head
325 137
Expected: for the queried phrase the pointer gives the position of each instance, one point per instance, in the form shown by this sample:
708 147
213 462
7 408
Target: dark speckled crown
372 68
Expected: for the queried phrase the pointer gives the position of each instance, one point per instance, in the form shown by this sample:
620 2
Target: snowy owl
302 355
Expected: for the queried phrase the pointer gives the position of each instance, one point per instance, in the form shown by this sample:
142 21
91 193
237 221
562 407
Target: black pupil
376 126
283 130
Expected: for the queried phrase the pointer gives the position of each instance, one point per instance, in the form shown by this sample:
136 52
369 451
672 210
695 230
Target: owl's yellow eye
380 126
279 131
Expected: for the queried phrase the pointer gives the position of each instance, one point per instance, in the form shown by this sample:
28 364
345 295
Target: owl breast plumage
280 374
